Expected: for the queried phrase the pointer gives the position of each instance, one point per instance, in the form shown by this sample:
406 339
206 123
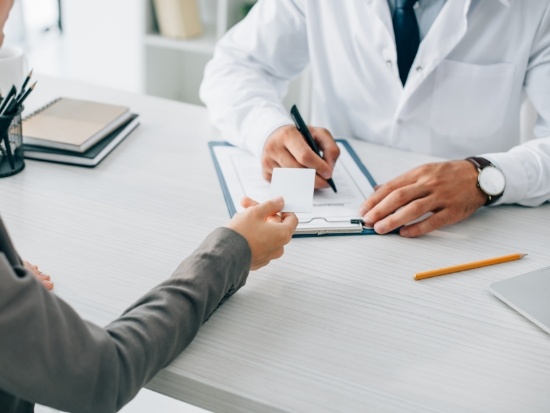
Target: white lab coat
462 97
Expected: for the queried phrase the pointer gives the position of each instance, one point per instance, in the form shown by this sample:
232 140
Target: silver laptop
529 294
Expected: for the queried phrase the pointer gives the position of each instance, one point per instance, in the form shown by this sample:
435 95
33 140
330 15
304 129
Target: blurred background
96 41
130 44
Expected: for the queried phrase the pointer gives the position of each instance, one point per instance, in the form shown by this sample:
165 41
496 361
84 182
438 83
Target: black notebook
92 156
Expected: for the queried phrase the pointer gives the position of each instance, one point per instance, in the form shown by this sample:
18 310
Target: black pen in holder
11 144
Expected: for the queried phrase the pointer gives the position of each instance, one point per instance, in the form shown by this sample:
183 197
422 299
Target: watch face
491 181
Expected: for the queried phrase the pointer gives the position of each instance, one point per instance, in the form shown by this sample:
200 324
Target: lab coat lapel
381 9
446 32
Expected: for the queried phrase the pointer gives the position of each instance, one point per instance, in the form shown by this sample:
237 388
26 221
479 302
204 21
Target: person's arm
49 355
446 192
253 64
245 82
527 166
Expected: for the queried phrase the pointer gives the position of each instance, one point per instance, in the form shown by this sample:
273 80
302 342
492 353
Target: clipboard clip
359 221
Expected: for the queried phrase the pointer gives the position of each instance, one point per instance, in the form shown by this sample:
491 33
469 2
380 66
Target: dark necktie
407 36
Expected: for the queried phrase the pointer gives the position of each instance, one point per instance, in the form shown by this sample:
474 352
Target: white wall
100 42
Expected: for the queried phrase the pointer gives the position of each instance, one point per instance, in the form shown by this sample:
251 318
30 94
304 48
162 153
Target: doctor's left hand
447 190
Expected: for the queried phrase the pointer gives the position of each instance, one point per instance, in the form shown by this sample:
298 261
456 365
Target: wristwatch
490 179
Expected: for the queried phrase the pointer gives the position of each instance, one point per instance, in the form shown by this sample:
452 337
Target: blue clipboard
354 228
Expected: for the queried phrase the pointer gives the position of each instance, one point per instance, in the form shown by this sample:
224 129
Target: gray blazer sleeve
49 355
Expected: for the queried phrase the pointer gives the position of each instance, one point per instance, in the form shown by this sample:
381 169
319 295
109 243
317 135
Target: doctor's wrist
490 179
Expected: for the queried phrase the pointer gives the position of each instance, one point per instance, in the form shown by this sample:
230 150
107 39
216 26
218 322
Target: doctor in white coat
461 97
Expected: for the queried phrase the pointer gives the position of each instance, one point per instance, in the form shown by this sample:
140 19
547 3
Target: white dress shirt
462 97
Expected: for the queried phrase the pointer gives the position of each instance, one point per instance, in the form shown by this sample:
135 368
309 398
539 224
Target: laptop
528 294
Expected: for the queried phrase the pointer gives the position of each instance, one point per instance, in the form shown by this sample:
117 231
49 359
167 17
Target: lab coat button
389 63
419 69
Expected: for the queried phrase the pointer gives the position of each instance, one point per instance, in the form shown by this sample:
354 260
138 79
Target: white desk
336 325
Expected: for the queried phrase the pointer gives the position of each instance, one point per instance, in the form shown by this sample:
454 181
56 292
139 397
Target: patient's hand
266 229
43 278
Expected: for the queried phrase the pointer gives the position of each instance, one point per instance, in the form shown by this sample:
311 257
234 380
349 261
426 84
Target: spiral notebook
72 124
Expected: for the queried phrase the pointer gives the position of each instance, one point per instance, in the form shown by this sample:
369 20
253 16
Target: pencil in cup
11 139
467 266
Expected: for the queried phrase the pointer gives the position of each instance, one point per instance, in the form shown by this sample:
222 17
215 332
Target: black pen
22 90
7 99
22 98
6 135
303 129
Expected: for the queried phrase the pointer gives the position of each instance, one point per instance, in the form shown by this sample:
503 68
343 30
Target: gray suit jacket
51 356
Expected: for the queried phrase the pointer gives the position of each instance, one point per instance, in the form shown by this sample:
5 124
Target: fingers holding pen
327 145
287 148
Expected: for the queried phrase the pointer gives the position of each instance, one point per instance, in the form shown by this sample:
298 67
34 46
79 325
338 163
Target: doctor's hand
266 229
286 148
447 190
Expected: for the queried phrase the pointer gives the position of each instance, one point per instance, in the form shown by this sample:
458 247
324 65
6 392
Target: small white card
296 186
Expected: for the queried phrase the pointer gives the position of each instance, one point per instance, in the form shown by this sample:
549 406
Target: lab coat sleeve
527 166
253 64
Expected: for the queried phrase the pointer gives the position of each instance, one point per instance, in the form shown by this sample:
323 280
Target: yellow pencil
468 266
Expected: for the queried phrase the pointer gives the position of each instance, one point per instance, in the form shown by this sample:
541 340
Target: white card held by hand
296 186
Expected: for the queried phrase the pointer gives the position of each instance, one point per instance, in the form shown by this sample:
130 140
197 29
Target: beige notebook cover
72 124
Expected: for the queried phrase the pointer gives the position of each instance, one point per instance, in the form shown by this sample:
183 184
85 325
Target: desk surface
337 324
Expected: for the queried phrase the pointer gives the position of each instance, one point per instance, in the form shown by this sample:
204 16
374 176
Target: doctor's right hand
266 229
286 148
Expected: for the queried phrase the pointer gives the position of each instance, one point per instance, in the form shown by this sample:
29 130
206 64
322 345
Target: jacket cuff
515 173
262 127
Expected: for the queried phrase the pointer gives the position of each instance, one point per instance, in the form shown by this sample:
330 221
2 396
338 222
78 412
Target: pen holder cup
11 144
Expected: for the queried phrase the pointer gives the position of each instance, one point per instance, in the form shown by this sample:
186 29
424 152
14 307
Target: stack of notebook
75 131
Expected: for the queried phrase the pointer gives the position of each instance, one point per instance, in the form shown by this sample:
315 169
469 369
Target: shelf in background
202 44
174 68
